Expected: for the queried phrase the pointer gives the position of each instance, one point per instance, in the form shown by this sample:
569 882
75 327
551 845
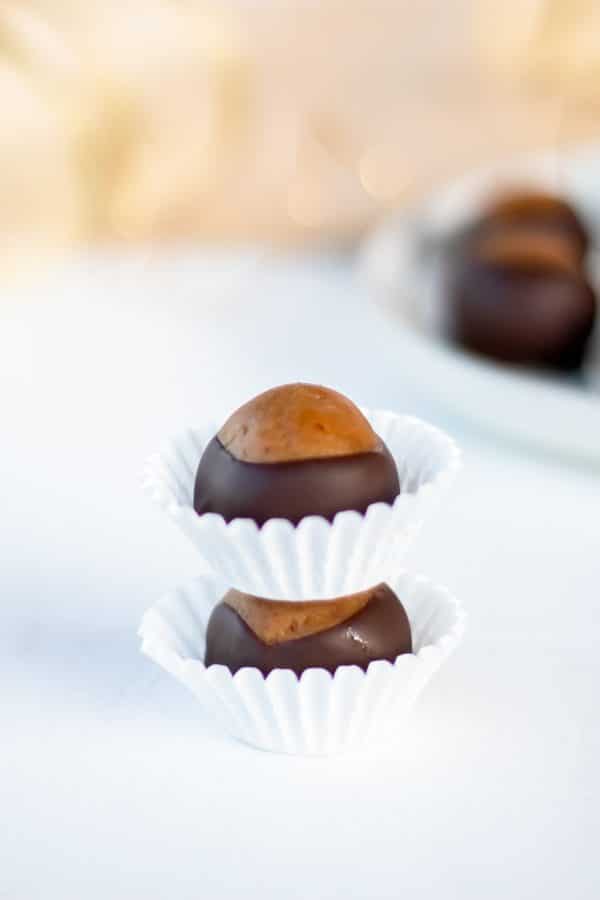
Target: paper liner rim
154 486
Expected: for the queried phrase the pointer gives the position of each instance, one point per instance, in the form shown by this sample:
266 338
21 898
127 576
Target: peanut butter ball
294 451
248 631
521 296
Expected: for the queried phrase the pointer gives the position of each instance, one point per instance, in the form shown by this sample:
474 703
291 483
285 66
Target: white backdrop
111 783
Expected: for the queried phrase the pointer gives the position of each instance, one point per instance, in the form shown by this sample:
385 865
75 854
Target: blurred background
188 193
287 122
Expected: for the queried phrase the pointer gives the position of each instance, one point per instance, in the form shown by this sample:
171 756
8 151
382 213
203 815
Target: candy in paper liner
315 559
316 714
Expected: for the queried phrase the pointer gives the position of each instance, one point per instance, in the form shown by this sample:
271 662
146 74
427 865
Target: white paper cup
315 559
317 714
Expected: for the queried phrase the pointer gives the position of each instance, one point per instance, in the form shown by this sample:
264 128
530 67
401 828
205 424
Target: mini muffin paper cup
315 559
316 714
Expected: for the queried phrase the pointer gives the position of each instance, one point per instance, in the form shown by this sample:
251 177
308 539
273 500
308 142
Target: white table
112 786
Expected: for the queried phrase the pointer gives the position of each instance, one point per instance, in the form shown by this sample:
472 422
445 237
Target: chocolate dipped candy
531 209
521 297
294 451
248 631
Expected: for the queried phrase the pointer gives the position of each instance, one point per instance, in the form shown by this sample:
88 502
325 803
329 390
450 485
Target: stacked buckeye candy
304 634
296 451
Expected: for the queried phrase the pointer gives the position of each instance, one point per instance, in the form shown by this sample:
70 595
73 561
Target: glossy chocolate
295 451
520 301
379 630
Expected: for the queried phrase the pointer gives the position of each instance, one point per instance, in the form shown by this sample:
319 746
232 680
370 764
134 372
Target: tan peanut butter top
526 247
276 621
528 204
297 422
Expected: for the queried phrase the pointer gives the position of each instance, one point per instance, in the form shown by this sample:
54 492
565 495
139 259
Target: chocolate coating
313 487
379 630
537 209
522 301
300 450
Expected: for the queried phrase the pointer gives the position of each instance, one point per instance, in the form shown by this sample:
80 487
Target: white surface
111 784
317 559
318 714
406 281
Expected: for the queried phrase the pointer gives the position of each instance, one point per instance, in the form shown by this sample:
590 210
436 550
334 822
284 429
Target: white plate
560 415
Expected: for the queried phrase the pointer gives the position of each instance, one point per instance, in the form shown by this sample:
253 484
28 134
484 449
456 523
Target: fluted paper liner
317 714
315 559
